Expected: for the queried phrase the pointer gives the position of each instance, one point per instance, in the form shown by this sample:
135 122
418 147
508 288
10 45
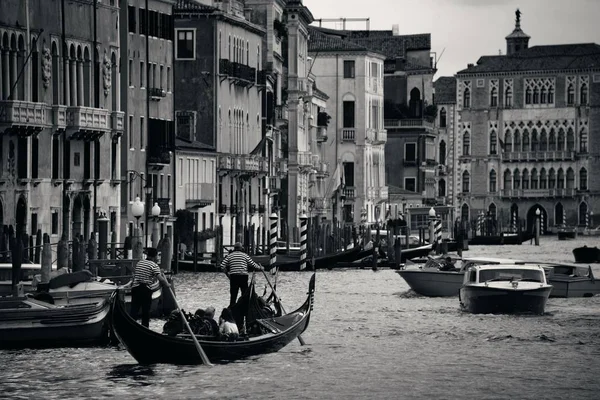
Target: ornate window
583 213
583 141
517 145
543 96
561 140
507 180
443 118
442 157
494 93
552 179
507 141
508 93
570 178
534 179
492 181
534 141
570 140
539 91
467 98
493 142
525 181
517 179
583 90
466 182
536 95
464 212
466 144
560 179
552 140
543 179
525 141
571 90
441 188
583 179
528 96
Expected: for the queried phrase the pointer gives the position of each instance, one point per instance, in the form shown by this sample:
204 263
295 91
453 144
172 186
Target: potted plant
323 119
280 29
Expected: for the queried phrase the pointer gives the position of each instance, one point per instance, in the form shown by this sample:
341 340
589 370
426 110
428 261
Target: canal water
370 337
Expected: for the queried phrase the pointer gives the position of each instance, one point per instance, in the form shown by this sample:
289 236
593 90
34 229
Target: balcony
370 135
117 122
321 134
159 158
305 159
59 117
198 195
87 123
382 193
250 164
236 162
417 123
282 167
381 137
263 165
563 155
321 205
225 162
281 113
23 117
349 192
538 193
348 134
157 94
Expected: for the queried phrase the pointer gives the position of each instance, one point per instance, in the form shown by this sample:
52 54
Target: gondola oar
279 301
201 352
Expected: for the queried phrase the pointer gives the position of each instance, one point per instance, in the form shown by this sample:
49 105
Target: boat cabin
504 272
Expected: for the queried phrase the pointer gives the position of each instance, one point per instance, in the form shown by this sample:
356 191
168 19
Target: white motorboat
505 288
428 280
571 280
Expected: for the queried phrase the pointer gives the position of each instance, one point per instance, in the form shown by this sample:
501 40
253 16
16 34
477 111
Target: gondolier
145 274
236 266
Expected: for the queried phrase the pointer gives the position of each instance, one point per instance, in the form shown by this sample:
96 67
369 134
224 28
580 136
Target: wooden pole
195 241
38 246
17 259
46 262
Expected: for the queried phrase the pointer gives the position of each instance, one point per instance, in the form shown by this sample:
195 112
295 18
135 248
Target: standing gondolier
145 274
236 266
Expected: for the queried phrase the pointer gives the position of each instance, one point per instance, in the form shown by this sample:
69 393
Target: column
67 83
80 101
73 76
2 71
13 76
116 86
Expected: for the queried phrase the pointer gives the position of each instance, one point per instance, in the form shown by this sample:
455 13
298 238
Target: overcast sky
468 29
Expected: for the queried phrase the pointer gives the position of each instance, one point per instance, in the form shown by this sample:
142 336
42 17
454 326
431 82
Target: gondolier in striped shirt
145 274
236 266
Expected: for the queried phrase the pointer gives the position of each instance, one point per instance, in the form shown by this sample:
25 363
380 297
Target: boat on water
28 271
503 238
586 254
571 280
427 280
150 347
26 323
567 233
506 288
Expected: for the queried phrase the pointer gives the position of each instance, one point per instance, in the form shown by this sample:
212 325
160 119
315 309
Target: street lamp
137 210
537 226
155 213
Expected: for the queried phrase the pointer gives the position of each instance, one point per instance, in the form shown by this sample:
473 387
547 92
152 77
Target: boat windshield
510 274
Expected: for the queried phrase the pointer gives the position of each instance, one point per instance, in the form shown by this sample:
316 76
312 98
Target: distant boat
567 233
26 322
503 238
586 254
504 289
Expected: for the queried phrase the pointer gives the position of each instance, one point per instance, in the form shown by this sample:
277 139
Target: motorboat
428 280
506 288
27 322
571 280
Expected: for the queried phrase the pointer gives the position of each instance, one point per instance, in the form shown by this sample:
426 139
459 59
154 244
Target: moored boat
586 254
567 233
26 322
150 347
571 280
504 289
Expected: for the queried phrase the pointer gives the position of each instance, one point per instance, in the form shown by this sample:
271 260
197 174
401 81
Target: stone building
527 134
147 91
60 116
444 98
352 76
219 56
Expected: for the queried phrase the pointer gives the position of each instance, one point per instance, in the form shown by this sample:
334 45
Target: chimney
470 65
248 14
396 30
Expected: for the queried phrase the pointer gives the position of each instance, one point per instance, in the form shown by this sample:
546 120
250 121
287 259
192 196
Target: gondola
150 347
586 254
504 238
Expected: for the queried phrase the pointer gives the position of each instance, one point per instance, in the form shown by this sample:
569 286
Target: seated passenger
228 329
448 265
174 325
209 315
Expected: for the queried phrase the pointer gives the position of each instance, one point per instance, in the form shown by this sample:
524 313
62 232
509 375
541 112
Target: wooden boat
504 289
504 238
571 280
586 254
567 233
28 271
427 280
26 322
150 347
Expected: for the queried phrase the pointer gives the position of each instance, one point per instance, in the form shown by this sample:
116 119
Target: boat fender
45 297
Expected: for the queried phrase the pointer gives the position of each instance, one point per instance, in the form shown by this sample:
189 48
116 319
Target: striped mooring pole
587 219
542 224
438 231
303 229
480 223
564 224
273 243
514 221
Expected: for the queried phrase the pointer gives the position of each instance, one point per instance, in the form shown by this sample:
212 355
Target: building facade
147 91
444 99
526 136
219 108
352 76
60 116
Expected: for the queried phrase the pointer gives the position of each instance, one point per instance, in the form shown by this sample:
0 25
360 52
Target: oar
201 352
280 305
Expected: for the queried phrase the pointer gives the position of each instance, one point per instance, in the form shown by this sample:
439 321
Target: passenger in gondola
228 329
209 314
448 265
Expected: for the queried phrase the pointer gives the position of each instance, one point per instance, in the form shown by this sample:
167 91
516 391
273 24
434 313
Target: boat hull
586 254
489 300
433 283
574 287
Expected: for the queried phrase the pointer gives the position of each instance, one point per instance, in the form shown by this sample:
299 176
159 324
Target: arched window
528 96
442 152
561 140
551 141
583 95
536 96
552 179
571 95
525 179
443 118
508 97
466 182
583 214
507 180
559 214
525 141
55 81
543 179
492 211
494 97
467 98
583 141
464 212
517 144
570 178
466 144
493 142
583 179
551 95
543 96
570 140
441 188
493 181
508 142
415 103
516 179
534 179
534 141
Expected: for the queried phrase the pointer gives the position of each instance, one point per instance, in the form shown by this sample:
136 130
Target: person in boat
236 266
174 325
228 329
447 265
209 314
145 274
200 324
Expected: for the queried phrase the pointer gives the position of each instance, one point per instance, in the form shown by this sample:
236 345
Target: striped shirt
237 263
145 273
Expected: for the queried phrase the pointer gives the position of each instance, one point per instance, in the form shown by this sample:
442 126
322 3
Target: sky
463 30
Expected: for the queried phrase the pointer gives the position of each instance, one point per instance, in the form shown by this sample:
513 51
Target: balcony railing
321 134
249 163
199 194
225 162
87 123
321 205
117 121
538 193
349 192
348 134
59 117
304 158
383 192
281 112
243 74
161 156
539 155
24 114
157 93
407 123
381 136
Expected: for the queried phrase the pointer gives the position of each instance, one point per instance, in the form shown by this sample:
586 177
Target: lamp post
155 214
137 210
592 219
537 226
